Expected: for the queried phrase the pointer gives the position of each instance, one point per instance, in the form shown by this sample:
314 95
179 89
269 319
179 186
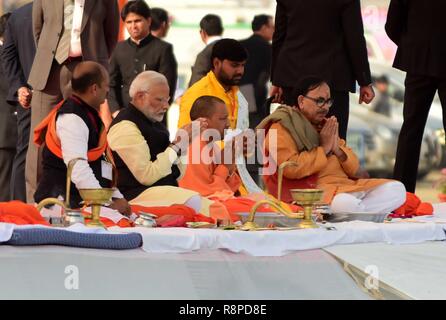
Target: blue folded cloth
39 236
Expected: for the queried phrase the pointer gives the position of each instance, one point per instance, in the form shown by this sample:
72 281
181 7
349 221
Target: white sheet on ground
278 243
6 230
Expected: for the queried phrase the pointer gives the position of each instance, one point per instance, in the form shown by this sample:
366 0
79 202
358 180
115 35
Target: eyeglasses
320 102
159 99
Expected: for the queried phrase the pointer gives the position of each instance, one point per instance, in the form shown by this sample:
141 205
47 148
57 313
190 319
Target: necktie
63 48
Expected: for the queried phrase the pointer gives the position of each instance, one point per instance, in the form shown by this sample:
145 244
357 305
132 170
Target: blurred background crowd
373 129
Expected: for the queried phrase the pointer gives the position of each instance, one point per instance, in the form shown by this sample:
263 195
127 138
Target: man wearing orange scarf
74 130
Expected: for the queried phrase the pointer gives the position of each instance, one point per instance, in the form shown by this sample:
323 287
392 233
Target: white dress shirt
76 48
73 134
212 39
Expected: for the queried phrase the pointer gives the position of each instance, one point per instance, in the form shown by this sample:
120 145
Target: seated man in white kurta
74 130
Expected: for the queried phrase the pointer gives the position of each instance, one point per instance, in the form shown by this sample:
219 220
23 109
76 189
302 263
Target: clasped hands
329 137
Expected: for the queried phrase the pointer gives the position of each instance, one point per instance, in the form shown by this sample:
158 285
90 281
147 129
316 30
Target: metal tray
357 216
263 219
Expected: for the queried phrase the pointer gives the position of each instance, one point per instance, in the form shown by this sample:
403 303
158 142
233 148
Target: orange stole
20 213
272 181
413 207
46 132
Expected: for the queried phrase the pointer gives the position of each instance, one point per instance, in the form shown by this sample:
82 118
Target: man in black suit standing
160 23
141 52
211 30
258 66
17 58
8 126
325 39
418 29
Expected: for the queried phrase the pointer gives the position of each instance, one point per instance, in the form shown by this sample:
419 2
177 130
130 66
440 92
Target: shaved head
214 110
86 74
204 107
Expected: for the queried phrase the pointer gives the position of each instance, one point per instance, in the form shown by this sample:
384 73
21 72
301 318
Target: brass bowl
306 196
99 196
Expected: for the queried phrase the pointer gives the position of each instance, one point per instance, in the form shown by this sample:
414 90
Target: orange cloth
219 210
123 223
237 205
272 181
413 207
208 179
333 176
46 132
20 213
189 214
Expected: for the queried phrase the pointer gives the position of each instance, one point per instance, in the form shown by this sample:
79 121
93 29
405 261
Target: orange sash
20 213
45 132
413 207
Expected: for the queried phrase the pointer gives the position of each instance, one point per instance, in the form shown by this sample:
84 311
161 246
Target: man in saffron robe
323 160
216 175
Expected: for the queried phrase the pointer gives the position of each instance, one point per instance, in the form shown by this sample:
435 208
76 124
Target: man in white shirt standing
74 130
66 32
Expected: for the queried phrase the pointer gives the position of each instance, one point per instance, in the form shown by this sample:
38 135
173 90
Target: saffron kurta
207 177
333 176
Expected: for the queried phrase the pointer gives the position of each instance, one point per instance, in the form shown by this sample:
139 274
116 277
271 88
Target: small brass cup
96 198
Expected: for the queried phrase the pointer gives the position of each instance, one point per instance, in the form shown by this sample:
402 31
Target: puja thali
265 219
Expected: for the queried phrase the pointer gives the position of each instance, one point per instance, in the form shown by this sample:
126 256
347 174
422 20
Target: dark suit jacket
322 38
202 64
258 66
18 50
129 59
99 34
419 30
8 120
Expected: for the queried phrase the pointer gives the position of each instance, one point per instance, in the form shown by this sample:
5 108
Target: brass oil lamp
92 197
307 198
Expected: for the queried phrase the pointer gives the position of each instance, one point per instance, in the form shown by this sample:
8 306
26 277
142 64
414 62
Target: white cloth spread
6 230
278 243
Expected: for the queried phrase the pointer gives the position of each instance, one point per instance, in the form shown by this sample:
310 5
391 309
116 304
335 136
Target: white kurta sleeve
73 134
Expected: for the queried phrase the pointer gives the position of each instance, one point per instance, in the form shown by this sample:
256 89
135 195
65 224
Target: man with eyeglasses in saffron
323 160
